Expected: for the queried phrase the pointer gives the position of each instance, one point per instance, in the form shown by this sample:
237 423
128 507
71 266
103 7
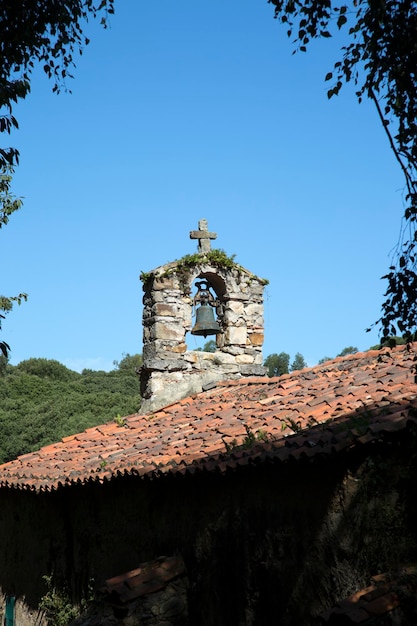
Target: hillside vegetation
42 401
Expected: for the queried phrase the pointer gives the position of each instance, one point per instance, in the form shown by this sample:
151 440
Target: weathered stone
254 310
228 349
235 306
256 339
167 318
161 308
258 358
168 365
234 319
236 335
167 331
167 282
181 348
217 357
253 370
244 358
239 296
191 357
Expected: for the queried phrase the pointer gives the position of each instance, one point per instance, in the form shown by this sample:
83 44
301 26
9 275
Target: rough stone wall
167 607
286 539
170 371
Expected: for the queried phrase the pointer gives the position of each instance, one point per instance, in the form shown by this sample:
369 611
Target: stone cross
203 235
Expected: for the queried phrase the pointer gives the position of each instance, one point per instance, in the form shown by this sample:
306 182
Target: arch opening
217 287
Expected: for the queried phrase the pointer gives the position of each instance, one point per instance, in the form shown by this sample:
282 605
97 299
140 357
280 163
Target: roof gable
316 410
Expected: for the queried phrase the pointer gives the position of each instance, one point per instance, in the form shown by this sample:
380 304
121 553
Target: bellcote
170 370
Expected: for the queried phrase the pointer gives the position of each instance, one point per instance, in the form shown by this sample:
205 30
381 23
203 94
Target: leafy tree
8 202
6 305
277 364
348 350
3 364
46 368
209 346
344 352
299 362
42 401
389 342
129 362
379 54
31 31
324 359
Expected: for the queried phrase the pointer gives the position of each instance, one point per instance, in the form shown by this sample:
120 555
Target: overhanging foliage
380 56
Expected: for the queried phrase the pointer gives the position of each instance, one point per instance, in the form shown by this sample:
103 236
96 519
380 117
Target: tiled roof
385 594
319 410
147 578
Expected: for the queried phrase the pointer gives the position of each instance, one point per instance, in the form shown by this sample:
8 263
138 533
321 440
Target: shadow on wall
287 539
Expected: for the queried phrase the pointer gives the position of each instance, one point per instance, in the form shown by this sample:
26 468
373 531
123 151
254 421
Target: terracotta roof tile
305 414
382 596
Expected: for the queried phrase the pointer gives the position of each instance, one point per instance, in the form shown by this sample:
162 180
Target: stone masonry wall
170 371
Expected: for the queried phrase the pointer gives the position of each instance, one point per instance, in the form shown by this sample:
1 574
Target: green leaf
342 19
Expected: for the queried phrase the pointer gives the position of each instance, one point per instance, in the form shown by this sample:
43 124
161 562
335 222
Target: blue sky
189 110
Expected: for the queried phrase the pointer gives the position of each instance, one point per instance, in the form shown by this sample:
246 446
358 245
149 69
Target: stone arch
218 287
170 369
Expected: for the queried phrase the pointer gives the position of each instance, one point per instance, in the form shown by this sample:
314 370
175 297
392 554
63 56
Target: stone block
238 296
219 357
228 368
257 290
192 356
235 306
236 335
180 348
234 350
256 339
166 282
253 370
161 308
234 319
149 351
172 331
165 365
254 310
244 359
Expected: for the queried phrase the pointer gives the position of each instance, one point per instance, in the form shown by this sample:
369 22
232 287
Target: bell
205 324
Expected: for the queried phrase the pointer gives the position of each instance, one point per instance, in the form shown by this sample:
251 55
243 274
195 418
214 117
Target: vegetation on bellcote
182 267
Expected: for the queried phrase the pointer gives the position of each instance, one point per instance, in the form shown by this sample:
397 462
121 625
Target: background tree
35 31
389 342
324 359
209 346
379 54
299 362
277 364
42 401
344 352
129 362
348 350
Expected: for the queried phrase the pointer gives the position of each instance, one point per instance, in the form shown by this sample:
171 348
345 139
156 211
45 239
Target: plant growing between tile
251 438
119 420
